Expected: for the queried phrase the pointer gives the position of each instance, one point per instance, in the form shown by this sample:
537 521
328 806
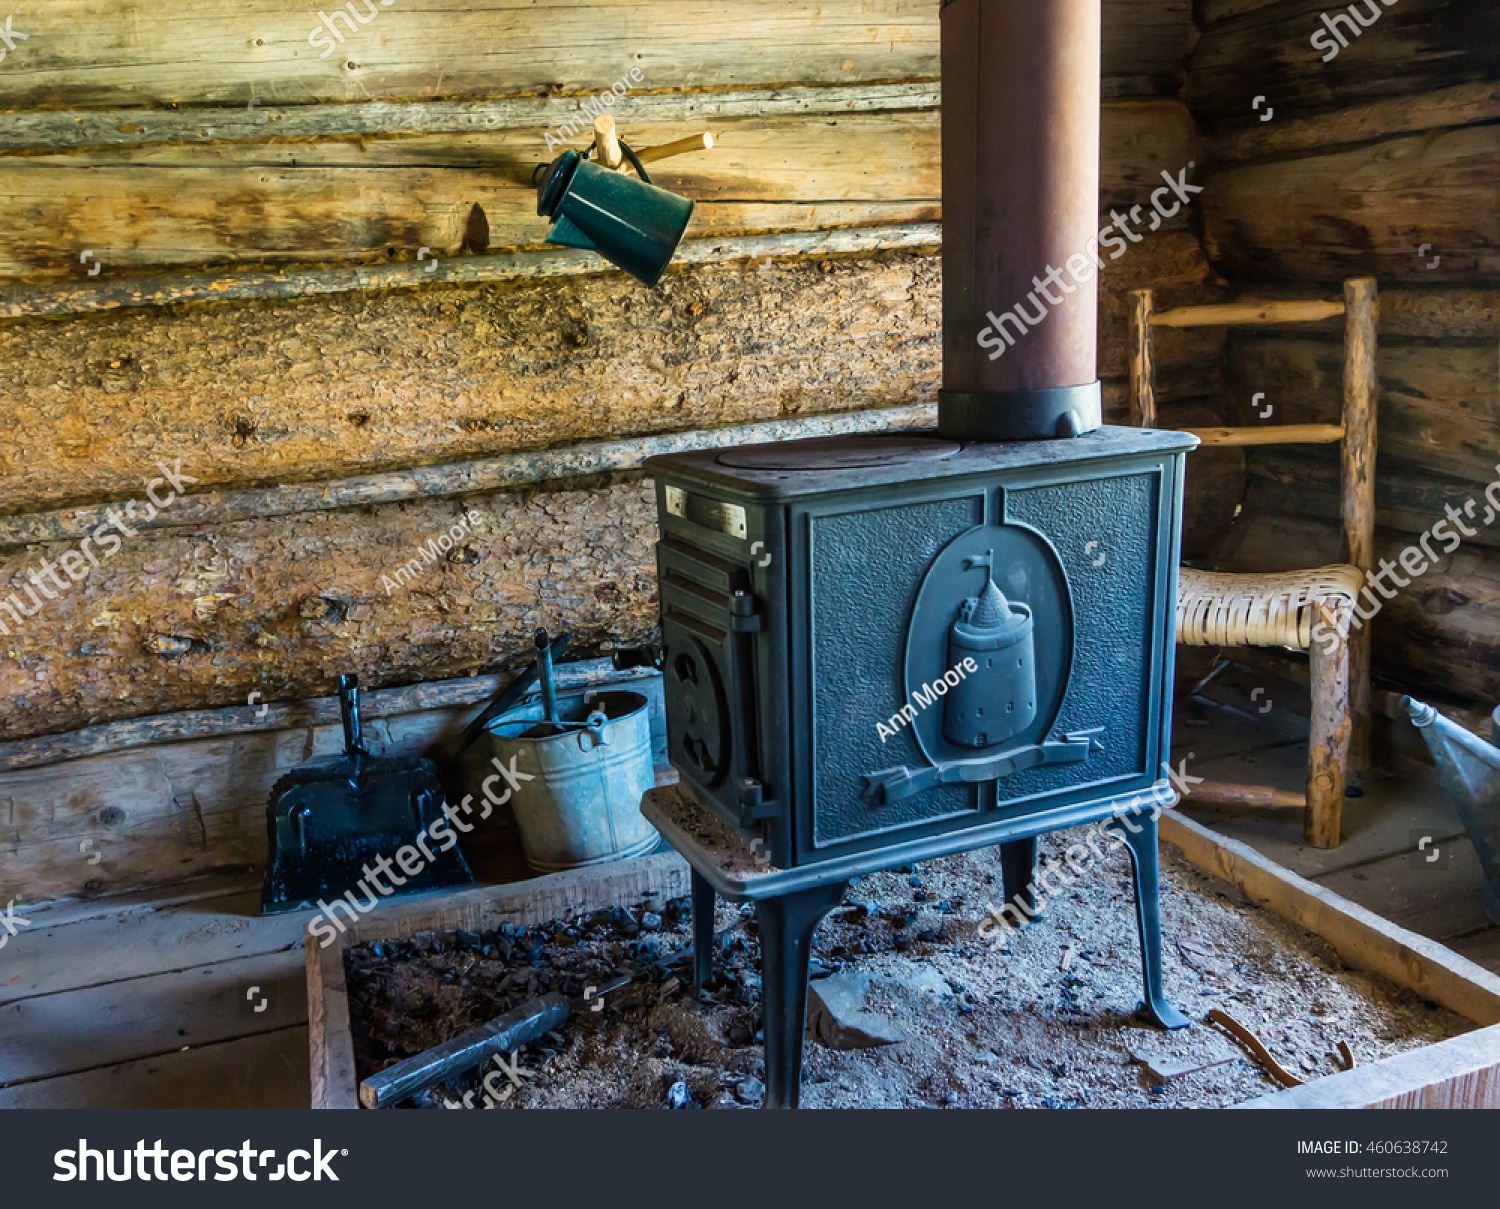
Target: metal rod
544 665
505 1034
349 711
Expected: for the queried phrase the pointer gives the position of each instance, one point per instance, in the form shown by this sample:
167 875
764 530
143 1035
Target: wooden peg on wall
607 144
694 142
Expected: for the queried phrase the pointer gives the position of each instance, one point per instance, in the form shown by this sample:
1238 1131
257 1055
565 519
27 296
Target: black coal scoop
328 822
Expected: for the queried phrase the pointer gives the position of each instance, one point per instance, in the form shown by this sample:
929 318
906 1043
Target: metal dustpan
334 825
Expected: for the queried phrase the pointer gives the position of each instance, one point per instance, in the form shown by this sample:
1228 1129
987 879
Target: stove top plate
841 453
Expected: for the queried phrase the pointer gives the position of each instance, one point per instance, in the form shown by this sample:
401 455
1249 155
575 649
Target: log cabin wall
1381 157
219 257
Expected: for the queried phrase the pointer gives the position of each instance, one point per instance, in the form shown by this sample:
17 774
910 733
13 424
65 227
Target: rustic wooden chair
1282 610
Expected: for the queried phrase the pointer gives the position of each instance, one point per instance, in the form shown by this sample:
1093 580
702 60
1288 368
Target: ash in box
408 996
936 1016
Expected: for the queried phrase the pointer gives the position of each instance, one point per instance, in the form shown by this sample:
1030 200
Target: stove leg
704 902
786 929
1139 834
1018 873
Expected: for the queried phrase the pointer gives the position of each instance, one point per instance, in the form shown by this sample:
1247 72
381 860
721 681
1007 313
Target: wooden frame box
1463 1072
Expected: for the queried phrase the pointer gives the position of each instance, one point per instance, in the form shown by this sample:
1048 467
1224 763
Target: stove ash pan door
709 617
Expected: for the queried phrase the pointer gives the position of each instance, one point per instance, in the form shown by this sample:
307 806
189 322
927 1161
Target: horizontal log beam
507 473
1272 434
329 201
290 392
529 264
1418 208
1237 313
261 718
94 54
1439 403
1462 105
183 619
1408 498
87 129
1288 55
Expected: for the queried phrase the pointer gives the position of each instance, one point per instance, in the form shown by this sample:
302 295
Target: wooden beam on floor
1461 1072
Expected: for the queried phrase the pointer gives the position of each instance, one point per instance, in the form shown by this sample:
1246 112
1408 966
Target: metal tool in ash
327 823
884 648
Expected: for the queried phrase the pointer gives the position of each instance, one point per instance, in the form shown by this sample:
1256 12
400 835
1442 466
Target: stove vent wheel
697 709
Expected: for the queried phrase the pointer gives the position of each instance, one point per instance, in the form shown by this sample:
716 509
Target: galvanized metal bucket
582 805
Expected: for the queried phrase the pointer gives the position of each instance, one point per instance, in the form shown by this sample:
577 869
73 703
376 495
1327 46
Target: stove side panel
865 564
1107 532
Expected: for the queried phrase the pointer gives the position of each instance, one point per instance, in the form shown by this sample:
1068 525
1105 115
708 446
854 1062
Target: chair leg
1359 699
1329 742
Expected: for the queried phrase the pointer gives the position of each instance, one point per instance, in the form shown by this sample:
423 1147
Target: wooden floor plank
80 1030
1438 898
1363 939
136 943
154 898
268 1070
1482 948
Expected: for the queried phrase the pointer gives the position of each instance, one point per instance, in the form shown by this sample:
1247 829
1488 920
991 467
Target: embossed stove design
884 648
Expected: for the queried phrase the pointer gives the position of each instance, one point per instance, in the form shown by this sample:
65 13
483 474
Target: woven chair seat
1275 609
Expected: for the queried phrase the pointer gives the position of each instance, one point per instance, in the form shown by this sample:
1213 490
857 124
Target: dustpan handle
349 709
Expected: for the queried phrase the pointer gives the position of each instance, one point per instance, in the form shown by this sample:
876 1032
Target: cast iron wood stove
880 649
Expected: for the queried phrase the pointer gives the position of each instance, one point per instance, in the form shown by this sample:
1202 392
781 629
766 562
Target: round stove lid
840 453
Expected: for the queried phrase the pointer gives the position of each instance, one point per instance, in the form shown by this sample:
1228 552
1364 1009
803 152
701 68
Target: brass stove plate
711 514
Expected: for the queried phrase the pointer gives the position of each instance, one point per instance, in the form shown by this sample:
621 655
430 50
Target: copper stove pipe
1020 197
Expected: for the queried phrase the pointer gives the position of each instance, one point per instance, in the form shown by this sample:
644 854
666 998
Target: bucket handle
594 727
